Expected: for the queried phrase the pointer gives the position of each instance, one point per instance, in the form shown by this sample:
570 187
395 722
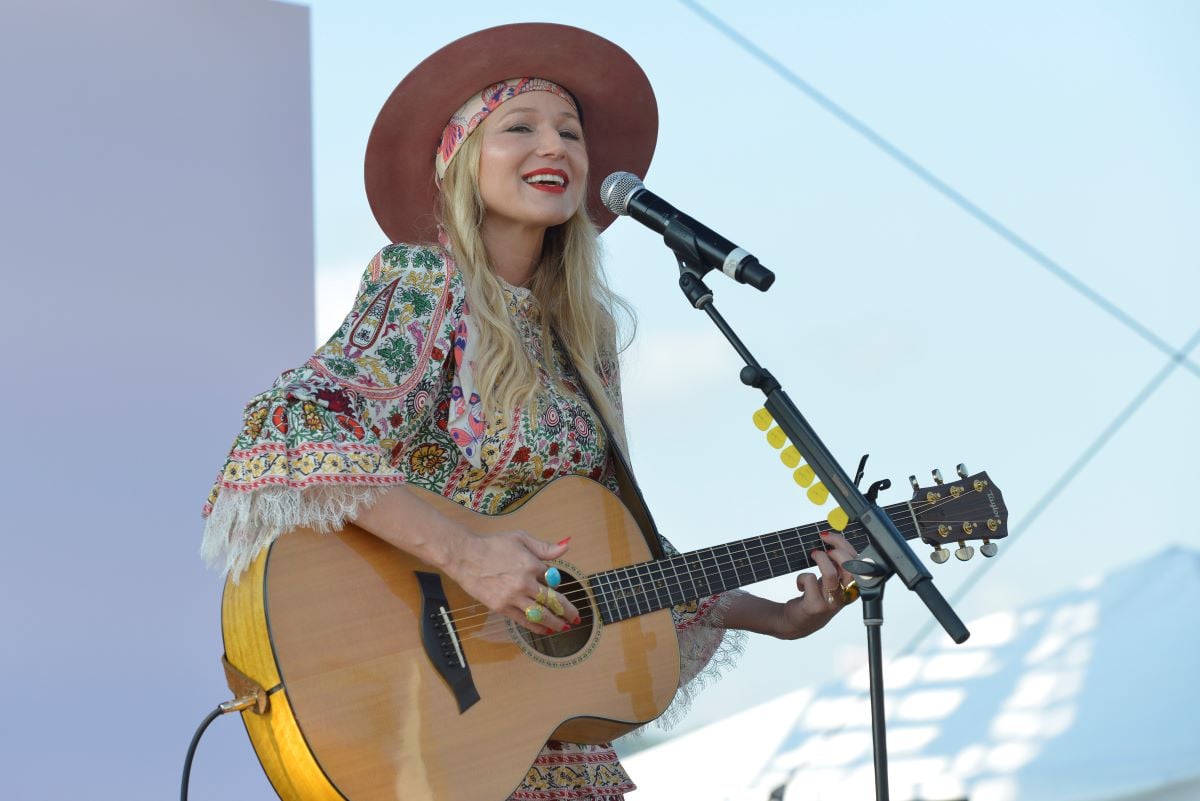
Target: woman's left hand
821 597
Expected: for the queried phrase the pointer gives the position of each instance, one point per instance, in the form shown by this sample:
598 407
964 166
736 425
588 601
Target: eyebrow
530 109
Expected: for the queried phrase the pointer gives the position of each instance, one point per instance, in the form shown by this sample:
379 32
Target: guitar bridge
441 641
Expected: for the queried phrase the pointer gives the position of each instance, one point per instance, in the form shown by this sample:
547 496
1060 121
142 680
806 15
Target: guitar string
797 545
493 625
920 507
659 570
754 562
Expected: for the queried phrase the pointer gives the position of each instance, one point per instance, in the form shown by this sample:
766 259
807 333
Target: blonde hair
578 308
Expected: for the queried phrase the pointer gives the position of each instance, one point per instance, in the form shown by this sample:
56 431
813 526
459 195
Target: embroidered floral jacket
390 400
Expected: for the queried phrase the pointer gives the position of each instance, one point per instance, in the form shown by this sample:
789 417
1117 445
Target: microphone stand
887 554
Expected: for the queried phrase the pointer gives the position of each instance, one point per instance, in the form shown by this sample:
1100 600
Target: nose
550 143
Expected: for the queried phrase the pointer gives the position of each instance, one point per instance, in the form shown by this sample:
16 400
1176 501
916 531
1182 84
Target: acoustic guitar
378 679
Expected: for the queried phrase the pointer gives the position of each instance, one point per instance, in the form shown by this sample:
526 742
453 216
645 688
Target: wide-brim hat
620 115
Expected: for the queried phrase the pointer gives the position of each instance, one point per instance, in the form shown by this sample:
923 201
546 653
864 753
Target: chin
552 219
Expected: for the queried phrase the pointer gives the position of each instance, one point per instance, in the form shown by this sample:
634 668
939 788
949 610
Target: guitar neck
626 592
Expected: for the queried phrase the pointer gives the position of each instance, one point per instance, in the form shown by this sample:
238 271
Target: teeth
545 178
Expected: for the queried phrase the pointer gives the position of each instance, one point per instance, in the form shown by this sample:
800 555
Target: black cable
191 752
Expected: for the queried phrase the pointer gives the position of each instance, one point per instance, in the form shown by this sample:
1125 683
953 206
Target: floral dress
390 400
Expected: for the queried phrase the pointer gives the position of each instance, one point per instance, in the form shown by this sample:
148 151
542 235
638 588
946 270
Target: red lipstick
543 179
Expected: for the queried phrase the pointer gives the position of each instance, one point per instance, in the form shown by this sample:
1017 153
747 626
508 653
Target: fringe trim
243 523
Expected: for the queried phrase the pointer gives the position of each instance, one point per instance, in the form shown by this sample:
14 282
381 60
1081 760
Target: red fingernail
565 627
824 533
564 541
576 621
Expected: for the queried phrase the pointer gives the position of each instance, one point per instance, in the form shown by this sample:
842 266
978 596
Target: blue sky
900 324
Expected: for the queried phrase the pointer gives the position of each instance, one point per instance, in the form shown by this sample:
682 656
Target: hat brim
619 111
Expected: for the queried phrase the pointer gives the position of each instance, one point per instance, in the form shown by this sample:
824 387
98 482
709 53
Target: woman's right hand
506 572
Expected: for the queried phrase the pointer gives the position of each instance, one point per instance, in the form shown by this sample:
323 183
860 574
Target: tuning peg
988 548
962 470
964 551
939 555
937 476
916 485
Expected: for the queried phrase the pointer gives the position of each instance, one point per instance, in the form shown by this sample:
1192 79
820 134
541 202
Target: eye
570 134
520 127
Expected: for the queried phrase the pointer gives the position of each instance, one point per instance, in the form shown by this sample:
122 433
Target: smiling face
532 162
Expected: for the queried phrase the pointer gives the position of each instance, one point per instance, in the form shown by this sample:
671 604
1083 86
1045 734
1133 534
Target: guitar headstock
970 508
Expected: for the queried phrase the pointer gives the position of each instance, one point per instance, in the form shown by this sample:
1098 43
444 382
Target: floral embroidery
427 459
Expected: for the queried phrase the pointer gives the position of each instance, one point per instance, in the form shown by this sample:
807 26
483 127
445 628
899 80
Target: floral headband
472 113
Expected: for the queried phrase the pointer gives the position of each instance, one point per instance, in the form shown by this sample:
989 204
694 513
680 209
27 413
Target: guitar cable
236 705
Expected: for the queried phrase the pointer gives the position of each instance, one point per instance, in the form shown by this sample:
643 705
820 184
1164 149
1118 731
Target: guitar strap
631 493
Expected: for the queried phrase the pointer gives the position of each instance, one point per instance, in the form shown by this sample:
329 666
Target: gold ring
550 598
535 613
849 591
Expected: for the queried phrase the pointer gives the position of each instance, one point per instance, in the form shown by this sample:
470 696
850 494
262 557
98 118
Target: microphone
624 193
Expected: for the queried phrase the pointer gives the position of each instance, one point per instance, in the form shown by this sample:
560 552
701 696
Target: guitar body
359 711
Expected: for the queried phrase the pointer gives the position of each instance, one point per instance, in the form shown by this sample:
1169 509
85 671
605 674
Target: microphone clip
682 242
691 270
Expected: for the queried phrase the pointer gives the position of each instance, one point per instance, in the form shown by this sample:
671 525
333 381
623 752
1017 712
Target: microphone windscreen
617 189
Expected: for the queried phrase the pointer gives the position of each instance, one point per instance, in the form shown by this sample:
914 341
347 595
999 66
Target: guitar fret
730 568
739 562
625 592
681 594
643 585
615 586
613 592
603 596
768 570
781 553
695 565
725 572
633 590
660 584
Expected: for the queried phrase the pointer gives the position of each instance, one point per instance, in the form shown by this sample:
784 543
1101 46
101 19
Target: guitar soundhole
571 641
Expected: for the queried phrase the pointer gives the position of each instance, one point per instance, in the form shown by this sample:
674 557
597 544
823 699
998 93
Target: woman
481 363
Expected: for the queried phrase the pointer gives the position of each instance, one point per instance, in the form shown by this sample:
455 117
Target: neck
626 592
513 251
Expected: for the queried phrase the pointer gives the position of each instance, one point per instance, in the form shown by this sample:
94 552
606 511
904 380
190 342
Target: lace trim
243 523
706 651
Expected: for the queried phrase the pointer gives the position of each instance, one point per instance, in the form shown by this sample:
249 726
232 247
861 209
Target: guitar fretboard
627 592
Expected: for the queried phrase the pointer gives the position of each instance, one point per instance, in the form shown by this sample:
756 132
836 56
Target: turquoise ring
535 613
553 577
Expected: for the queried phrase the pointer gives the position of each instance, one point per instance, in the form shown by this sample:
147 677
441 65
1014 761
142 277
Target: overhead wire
943 188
